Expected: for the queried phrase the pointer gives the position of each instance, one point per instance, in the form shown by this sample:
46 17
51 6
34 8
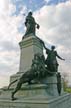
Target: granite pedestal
34 96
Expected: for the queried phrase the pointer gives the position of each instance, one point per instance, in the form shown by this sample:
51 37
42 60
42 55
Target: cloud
54 2
47 1
55 29
9 38
4 80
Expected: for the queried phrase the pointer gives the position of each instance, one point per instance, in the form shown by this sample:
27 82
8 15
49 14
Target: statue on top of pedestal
31 25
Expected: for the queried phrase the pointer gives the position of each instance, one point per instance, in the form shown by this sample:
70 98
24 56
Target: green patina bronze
51 60
40 68
37 71
31 25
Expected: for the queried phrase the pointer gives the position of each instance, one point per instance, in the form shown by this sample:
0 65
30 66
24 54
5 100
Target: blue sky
34 4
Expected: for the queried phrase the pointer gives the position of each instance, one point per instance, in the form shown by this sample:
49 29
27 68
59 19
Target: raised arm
60 57
47 50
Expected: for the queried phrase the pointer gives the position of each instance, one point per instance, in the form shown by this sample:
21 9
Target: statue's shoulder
55 52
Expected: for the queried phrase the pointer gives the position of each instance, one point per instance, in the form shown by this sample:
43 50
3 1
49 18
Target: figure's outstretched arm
60 57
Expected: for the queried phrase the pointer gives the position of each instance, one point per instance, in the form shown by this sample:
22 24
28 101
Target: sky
54 17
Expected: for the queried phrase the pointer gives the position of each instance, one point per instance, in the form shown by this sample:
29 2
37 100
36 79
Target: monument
38 83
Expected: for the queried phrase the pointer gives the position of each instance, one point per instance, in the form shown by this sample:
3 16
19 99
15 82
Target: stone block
29 46
63 101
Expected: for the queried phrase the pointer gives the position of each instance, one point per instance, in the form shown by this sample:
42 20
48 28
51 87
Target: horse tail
12 83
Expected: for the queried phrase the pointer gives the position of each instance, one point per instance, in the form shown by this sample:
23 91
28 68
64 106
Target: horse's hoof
14 99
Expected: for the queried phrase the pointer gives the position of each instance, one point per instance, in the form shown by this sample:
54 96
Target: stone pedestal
51 81
29 47
58 102
34 96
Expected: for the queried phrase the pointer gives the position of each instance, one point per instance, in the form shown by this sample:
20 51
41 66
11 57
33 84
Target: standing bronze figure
51 60
30 24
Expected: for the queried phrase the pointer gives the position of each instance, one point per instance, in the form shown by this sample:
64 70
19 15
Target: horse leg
12 83
16 89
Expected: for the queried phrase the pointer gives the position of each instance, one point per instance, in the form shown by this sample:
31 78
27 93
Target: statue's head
52 47
30 13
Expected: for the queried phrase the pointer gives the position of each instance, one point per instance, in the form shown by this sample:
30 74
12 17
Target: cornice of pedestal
29 41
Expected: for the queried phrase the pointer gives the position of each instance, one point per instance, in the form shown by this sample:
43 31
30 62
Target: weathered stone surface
51 81
63 101
29 47
33 90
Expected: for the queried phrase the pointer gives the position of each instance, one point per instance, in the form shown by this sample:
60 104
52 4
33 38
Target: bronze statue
37 71
31 25
40 68
51 60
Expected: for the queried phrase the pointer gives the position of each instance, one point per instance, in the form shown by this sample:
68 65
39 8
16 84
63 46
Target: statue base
34 96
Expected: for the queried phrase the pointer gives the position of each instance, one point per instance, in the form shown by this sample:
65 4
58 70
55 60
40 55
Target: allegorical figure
51 60
30 24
